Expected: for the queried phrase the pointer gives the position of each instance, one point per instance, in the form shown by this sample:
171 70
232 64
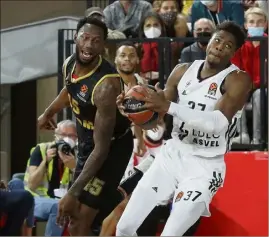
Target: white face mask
208 3
152 32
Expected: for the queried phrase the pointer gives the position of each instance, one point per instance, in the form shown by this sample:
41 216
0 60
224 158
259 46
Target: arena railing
66 47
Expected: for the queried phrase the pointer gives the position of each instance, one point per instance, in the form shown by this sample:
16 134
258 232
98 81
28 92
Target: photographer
50 168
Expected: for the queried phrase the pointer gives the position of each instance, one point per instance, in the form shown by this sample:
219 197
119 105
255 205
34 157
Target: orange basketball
146 119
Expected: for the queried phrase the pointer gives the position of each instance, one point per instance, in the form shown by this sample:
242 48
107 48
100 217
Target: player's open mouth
86 55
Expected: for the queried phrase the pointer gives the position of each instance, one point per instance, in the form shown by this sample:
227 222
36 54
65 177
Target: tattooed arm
105 100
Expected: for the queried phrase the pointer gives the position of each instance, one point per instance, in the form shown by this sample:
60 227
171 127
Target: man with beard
203 28
126 62
105 141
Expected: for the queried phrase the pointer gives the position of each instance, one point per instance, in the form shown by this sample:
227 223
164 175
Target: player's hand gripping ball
133 108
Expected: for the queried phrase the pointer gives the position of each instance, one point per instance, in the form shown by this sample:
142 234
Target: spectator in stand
125 15
217 11
151 27
14 209
111 47
203 28
247 58
156 5
181 31
168 12
175 25
187 4
95 12
263 4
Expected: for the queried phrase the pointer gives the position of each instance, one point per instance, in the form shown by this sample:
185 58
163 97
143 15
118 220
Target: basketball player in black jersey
105 141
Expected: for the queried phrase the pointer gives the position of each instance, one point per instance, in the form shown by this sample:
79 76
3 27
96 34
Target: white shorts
184 177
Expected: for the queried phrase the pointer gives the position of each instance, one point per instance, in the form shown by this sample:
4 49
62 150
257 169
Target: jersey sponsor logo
83 91
198 137
215 183
81 98
211 97
212 90
205 139
182 132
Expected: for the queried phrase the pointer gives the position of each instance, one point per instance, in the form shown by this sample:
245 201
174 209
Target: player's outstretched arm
237 88
60 102
105 100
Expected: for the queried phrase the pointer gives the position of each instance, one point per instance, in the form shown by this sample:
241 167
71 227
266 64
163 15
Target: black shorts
102 187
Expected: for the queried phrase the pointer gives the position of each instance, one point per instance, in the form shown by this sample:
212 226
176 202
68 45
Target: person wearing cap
95 12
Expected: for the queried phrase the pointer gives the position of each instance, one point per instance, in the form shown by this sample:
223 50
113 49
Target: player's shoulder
239 75
238 78
68 60
108 69
181 68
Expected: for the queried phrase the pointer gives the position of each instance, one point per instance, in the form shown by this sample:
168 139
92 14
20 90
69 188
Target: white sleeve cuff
173 109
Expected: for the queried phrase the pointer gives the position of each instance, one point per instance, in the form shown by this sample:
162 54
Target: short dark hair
236 30
92 21
127 43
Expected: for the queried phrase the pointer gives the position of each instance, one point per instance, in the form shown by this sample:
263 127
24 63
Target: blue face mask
255 31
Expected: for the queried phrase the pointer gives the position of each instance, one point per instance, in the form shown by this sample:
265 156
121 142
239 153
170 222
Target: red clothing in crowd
247 58
150 57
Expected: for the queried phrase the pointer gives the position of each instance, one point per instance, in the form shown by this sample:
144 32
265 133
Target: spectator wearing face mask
151 27
168 12
247 58
218 11
203 28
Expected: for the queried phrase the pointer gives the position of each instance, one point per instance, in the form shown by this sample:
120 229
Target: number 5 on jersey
74 104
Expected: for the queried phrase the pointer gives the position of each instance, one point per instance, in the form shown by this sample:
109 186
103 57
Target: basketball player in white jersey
190 167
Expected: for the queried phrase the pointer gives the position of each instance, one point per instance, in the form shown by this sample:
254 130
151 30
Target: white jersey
202 95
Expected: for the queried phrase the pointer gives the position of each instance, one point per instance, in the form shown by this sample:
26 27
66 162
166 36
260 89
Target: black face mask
169 18
204 34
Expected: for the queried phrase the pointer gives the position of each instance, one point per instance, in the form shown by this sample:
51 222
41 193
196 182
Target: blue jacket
232 11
